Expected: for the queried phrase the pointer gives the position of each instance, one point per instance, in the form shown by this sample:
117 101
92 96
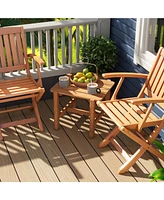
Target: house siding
123 34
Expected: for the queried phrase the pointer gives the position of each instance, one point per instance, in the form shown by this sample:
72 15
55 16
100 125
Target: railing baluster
84 33
48 48
40 43
55 47
32 49
70 45
77 43
63 46
92 30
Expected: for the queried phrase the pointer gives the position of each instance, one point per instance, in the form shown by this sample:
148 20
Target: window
149 37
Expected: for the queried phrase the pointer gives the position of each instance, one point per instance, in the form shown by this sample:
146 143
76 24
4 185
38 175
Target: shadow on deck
67 154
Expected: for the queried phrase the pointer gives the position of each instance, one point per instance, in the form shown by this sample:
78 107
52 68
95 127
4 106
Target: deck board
105 168
107 154
38 159
89 155
74 158
66 154
7 171
49 145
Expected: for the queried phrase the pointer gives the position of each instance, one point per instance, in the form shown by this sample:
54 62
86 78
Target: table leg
56 110
92 118
107 96
74 102
1 135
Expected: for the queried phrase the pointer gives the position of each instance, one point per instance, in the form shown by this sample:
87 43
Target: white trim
143 48
48 72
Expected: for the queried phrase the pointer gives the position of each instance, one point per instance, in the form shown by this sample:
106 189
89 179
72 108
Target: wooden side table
76 92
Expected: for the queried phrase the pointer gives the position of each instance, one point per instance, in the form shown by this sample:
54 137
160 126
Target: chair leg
132 160
144 146
40 94
110 136
1 138
36 110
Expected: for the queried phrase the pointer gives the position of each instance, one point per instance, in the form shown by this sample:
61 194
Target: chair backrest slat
19 48
157 78
160 82
154 85
13 49
7 50
2 54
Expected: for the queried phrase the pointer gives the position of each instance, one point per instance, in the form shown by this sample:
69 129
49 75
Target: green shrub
159 173
100 51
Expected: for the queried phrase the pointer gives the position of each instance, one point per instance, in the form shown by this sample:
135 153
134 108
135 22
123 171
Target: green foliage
19 21
159 173
159 145
100 51
16 21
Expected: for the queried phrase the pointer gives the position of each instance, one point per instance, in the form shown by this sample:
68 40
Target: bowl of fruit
81 79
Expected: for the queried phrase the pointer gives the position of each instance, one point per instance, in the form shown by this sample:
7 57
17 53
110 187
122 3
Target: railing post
103 27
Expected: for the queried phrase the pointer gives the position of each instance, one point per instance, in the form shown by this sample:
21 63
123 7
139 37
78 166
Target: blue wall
123 34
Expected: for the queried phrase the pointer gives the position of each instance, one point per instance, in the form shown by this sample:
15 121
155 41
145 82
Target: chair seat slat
130 110
125 111
118 113
129 115
18 87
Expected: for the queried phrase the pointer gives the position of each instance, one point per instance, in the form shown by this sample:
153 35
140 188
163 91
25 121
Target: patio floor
67 154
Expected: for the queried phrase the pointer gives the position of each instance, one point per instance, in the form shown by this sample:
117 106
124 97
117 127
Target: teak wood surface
132 115
66 154
14 58
82 93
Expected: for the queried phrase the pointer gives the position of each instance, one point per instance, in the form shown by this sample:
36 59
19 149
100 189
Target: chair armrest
39 62
36 58
138 101
150 101
124 75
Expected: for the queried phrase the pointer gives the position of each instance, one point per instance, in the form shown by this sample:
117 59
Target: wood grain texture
13 57
66 154
133 114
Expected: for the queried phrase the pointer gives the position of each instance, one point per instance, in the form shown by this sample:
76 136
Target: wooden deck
67 154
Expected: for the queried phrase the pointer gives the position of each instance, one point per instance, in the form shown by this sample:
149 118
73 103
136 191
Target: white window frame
144 42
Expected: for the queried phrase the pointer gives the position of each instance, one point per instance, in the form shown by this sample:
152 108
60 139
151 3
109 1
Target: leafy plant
100 51
159 173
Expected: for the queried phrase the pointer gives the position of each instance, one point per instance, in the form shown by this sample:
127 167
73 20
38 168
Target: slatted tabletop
80 92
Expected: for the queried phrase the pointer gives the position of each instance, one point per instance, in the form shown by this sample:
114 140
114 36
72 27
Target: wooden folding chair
14 59
132 115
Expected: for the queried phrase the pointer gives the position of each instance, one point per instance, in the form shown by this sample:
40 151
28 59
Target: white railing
57 29
85 28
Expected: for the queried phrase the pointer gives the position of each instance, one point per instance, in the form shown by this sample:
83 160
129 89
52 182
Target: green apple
93 78
75 79
85 70
88 75
87 80
80 80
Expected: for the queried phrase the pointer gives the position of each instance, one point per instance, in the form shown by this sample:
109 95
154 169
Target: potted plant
159 173
100 51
